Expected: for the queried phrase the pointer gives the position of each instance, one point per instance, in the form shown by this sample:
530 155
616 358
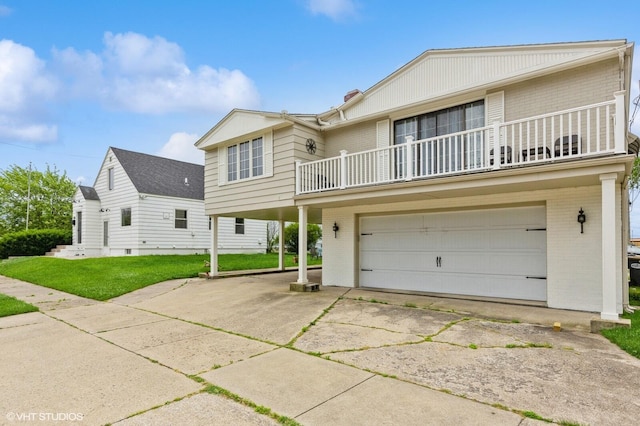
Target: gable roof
162 176
442 73
239 122
89 193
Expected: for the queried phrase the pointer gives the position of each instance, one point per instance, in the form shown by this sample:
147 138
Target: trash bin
634 270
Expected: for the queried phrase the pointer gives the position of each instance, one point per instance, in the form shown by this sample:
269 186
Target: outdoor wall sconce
582 218
335 228
73 222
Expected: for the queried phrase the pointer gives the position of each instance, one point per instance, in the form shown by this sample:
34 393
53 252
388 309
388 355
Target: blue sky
153 76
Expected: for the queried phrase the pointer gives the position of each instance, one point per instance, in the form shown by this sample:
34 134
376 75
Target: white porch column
620 123
213 261
609 232
302 245
281 245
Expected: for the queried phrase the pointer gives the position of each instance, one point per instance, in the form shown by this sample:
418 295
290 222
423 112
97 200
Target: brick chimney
351 94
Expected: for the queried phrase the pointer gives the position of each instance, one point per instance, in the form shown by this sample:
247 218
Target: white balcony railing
566 135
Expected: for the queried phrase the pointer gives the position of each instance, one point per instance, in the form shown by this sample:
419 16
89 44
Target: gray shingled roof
161 176
89 193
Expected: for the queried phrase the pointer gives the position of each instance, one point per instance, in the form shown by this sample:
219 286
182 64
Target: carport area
338 356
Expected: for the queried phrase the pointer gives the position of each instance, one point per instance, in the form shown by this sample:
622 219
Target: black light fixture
582 218
335 228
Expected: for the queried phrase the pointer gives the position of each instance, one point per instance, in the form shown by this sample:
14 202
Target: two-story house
143 204
489 173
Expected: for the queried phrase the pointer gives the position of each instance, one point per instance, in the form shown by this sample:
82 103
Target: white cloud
25 88
149 75
180 147
337 10
5 11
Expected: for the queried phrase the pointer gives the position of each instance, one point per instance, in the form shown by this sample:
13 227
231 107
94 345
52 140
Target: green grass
108 277
12 306
627 338
634 295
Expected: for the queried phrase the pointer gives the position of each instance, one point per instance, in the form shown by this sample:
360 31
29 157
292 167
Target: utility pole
28 194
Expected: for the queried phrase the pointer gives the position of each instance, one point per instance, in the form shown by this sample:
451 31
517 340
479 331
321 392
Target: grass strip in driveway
12 306
108 277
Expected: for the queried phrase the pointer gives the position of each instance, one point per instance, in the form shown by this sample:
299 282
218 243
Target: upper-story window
110 177
245 160
442 122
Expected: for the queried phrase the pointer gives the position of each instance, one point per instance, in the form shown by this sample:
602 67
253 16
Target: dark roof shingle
162 176
89 193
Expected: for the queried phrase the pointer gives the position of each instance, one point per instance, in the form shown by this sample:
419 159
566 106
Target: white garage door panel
494 253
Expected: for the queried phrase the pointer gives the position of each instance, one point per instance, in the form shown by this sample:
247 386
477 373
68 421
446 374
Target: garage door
494 253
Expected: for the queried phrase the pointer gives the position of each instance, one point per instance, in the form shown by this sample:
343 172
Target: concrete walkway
167 353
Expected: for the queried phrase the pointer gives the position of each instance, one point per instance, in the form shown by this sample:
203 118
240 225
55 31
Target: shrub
314 233
33 242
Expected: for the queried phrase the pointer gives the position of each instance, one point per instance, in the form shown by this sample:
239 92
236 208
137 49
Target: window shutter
268 154
494 110
222 166
383 140
495 107
382 134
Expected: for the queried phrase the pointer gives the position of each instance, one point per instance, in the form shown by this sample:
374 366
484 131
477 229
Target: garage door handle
536 278
366 270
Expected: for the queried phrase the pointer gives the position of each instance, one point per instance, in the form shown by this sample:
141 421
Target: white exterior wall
122 195
157 231
574 261
254 239
91 226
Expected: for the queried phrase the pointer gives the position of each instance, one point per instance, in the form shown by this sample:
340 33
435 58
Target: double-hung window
239 226
181 219
125 217
245 160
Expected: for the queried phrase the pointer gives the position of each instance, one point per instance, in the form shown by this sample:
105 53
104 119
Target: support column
213 261
303 283
302 245
609 232
281 265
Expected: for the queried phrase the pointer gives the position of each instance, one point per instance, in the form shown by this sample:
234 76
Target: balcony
569 135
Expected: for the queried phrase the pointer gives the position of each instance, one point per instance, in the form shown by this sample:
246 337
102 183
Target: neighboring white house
491 172
143 204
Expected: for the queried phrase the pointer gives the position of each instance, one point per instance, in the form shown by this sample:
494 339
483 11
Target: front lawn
12 306
627 338
108 277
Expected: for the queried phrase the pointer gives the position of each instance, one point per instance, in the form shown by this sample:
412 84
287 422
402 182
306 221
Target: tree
46 194
314 233
272 235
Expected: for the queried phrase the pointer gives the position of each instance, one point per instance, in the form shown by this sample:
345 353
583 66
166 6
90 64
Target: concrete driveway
174 352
